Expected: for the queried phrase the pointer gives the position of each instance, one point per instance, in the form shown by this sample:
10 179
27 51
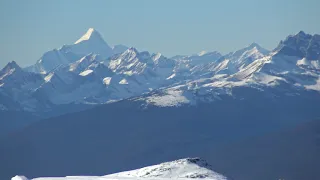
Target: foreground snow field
189 168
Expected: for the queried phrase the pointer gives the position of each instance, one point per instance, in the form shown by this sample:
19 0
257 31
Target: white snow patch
310 63
266 79
172 76
129 73
202 53
157 56
171 98
8 73
123 81
85 36
315 87
113 64
48 77
86 72
106 80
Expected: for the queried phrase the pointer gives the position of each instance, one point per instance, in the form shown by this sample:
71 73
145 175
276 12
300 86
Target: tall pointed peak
254 44
295 45
251 47
11 66
301 33
90 34
132 49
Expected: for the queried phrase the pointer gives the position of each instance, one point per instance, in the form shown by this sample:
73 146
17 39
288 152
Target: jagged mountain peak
133 50
252 47
156 56
90 34
90 43
84 62
257 46
11 66
301 45
301 33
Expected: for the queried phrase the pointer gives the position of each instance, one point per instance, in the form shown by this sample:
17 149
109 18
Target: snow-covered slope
189 168
81 73
90 42
17 87
287 68
183 168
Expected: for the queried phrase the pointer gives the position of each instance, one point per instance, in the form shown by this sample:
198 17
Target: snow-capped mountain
179 102
90 42
232 62
12 74
288 66
83 73
17 86
189 168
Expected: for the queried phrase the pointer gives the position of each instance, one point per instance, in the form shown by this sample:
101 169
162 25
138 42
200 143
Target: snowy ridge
189 168
91 32
90 43
90 72
183 168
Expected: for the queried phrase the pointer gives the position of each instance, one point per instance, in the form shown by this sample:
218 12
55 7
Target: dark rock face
313 51
301 45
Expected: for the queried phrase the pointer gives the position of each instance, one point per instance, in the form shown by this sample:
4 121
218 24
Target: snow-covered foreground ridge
189 168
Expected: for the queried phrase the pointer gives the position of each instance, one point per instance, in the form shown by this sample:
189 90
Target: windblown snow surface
183 169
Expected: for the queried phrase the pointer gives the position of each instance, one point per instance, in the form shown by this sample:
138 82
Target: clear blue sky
29 28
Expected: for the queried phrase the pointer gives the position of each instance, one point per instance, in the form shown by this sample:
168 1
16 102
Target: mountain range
90 72
92 109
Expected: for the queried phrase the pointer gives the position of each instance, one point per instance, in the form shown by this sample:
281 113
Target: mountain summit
11 66
91 34
92 42
182 168
301 45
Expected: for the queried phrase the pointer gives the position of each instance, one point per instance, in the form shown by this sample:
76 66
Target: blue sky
29 28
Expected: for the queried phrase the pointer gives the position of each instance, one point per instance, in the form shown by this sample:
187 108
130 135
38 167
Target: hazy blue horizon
30 28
